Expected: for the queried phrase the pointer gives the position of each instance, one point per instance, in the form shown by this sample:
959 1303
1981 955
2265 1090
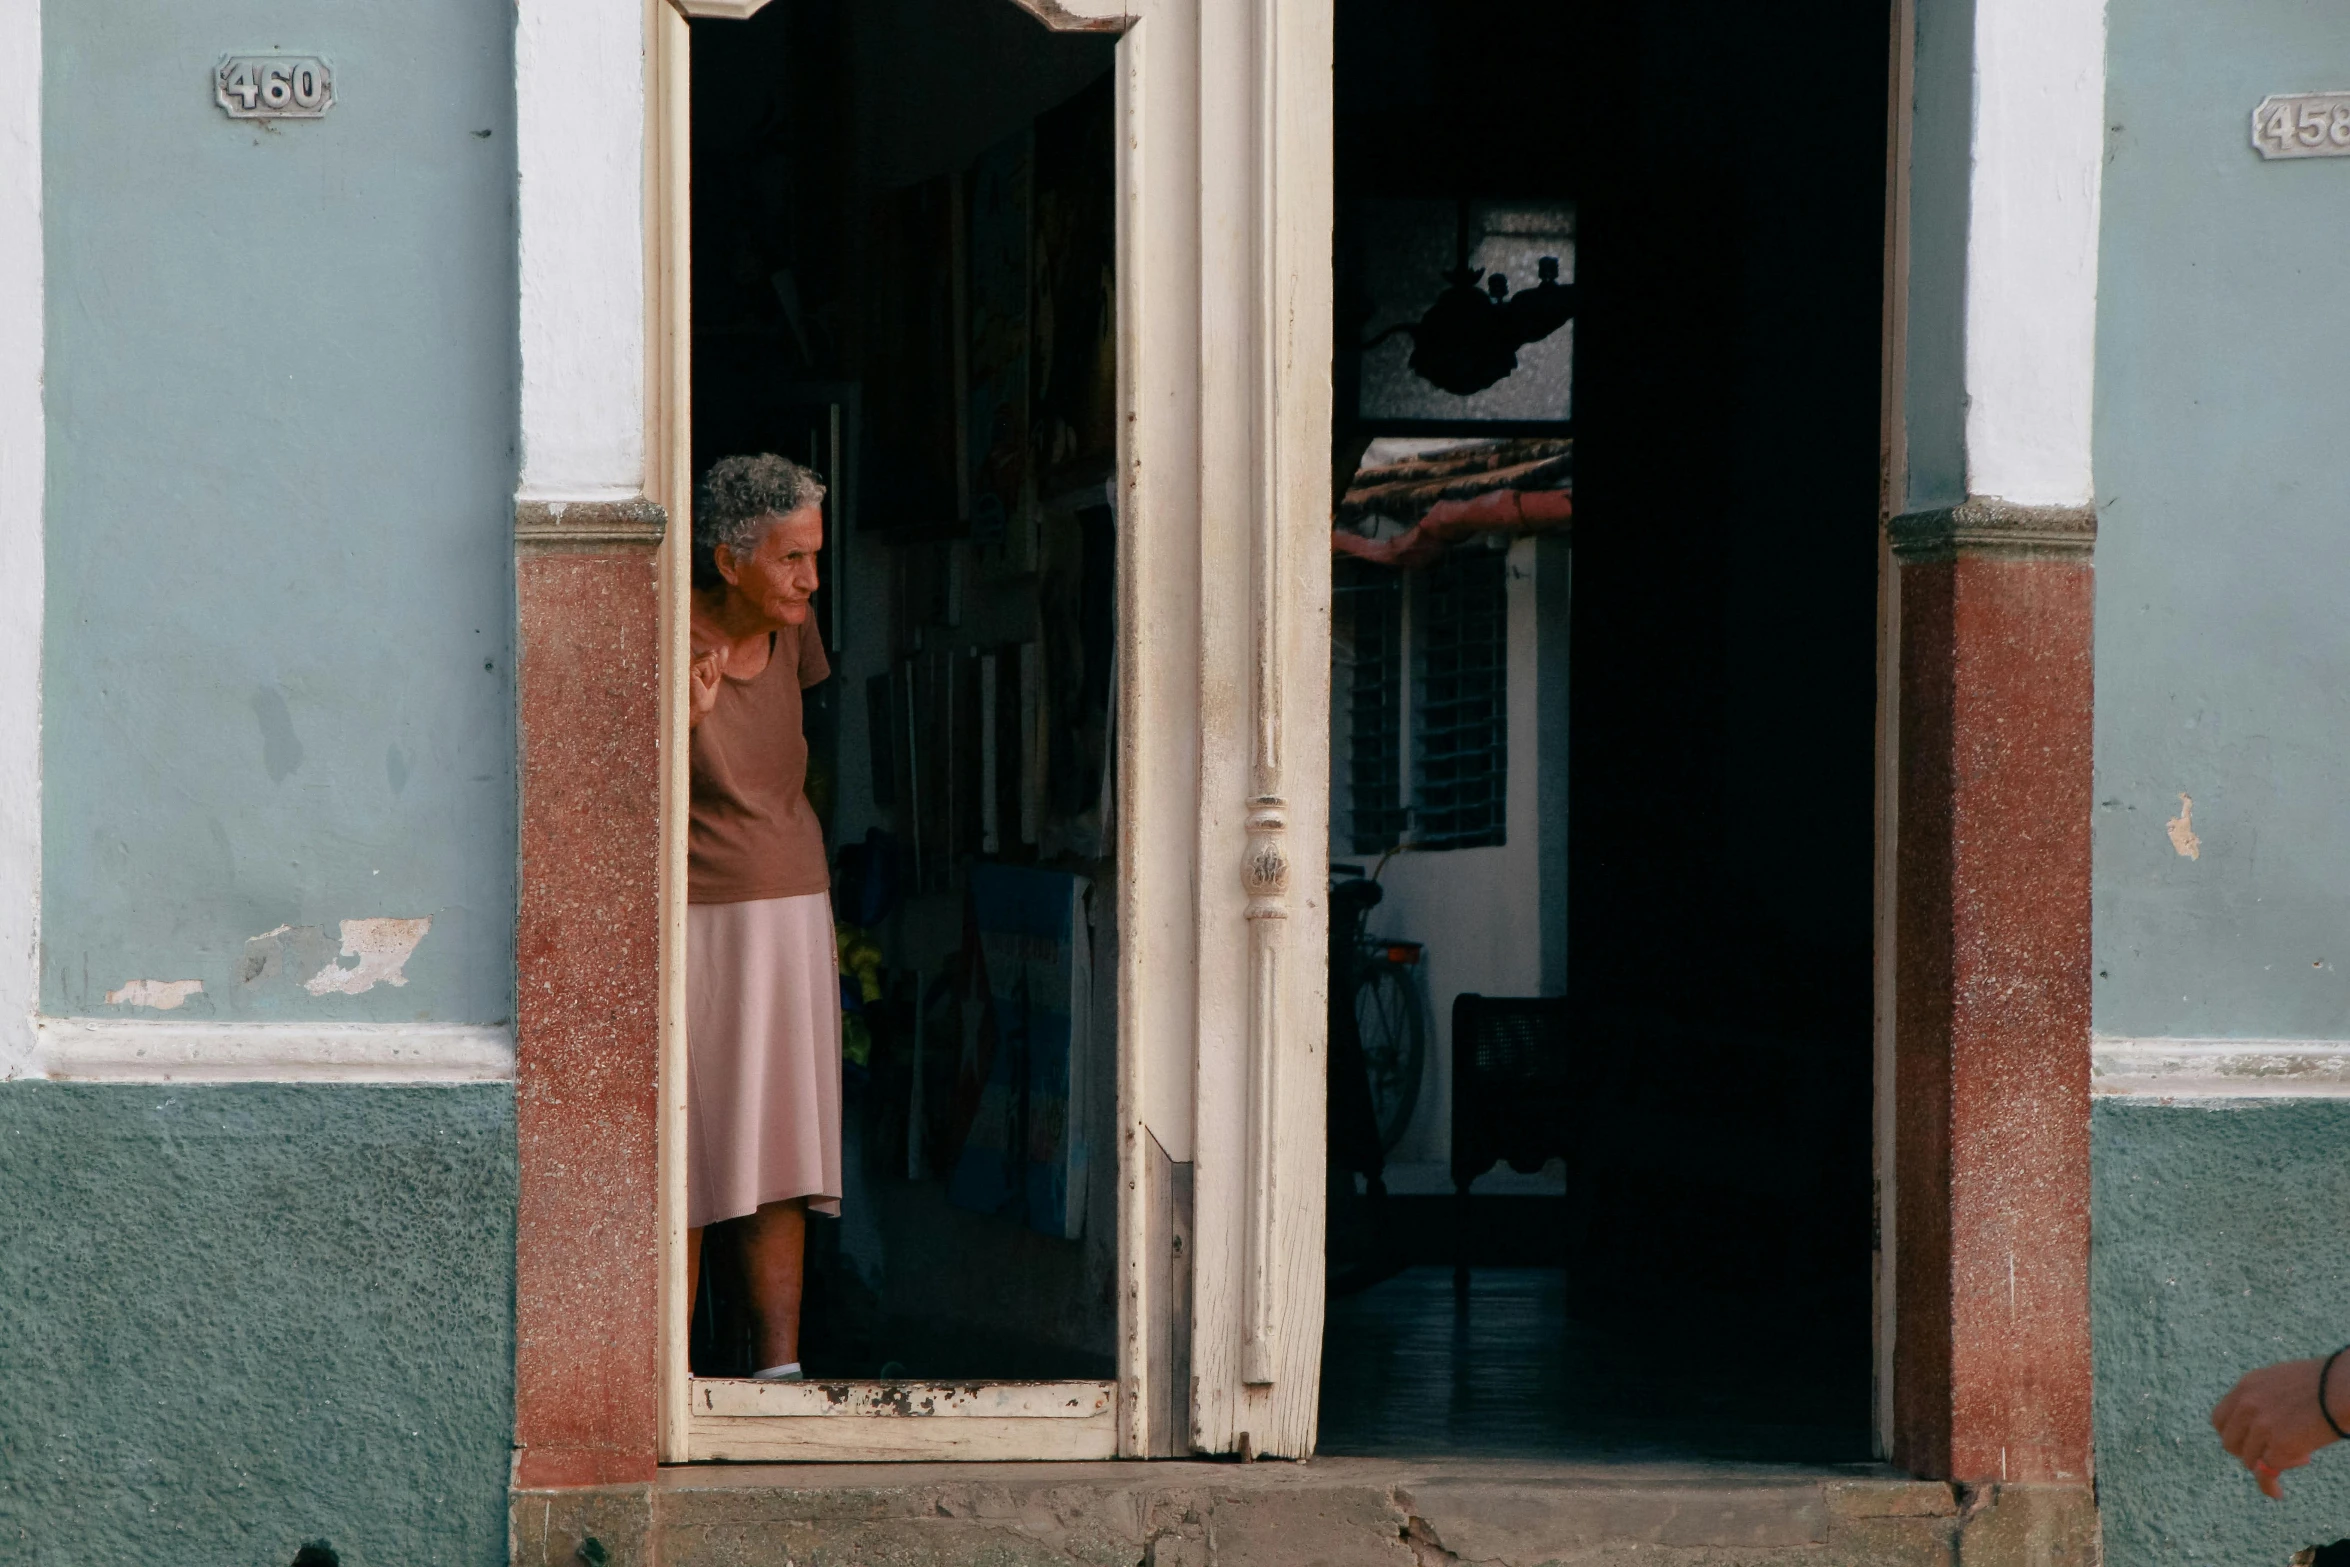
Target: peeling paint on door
382 947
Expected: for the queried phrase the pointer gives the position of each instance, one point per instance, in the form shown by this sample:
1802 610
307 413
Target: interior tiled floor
1410 1367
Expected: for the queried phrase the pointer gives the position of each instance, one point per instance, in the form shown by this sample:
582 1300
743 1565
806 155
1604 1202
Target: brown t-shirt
750 832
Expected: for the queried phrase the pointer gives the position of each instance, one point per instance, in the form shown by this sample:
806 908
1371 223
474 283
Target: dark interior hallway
1411 1367
1725 165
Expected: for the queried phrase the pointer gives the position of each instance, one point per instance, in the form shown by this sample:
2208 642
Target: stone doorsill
1407 1513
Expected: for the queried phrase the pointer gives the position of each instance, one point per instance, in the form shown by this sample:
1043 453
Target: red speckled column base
586 1287
1991 1376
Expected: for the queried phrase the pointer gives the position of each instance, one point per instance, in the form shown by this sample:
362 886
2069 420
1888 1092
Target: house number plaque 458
274 86
2303 125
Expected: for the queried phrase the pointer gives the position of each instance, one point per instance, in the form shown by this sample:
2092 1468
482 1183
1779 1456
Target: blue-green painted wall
278 691
2220 1245
2223 645
282 421
2223 673
234 1319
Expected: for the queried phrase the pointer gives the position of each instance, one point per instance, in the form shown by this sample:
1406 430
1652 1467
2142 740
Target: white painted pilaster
580 128
23 445
2031 299
1999 142
1995 159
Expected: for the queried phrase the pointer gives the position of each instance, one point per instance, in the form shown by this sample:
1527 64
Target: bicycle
1378 1029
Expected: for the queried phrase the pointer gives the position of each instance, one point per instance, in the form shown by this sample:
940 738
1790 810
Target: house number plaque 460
2303 125
274 86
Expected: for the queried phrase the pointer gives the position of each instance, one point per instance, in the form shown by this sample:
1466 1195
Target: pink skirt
762 1057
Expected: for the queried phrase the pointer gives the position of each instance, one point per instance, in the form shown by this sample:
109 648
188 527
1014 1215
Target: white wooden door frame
1225 205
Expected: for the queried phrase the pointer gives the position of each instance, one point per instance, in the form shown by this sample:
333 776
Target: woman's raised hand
702 678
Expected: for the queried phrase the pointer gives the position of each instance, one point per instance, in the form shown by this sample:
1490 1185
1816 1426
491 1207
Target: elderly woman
763 993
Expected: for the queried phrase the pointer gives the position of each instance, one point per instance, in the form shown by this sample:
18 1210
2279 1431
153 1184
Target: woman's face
774 580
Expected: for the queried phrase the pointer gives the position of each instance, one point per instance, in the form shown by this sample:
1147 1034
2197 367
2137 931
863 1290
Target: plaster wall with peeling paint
2222 837
2223 655
277 800
278 739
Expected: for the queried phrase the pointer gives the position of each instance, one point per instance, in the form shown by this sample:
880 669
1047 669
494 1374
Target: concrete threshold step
1335 1512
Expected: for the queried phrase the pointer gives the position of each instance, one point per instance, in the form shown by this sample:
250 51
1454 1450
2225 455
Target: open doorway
1606 483
902 242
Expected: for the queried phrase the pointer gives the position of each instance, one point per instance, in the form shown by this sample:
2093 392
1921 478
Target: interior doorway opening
902 242
1606 474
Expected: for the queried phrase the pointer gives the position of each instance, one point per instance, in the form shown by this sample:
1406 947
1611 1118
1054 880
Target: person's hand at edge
2271 1420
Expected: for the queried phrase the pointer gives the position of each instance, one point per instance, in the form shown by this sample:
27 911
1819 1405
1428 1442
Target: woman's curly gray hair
739 498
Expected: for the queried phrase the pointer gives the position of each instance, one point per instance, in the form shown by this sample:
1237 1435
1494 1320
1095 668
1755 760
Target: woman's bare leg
774 1252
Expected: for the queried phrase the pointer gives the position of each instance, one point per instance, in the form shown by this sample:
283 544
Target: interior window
1460 717
1367 667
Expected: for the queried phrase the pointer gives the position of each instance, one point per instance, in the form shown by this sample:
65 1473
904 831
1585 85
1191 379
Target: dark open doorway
1691 1275
903 239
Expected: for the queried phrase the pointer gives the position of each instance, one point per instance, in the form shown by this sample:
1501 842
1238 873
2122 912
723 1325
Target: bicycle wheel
1395 1044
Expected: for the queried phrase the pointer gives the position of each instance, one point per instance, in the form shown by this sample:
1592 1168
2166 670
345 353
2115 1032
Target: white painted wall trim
2031 291
137 1050
2220 1068
579 87
23 465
